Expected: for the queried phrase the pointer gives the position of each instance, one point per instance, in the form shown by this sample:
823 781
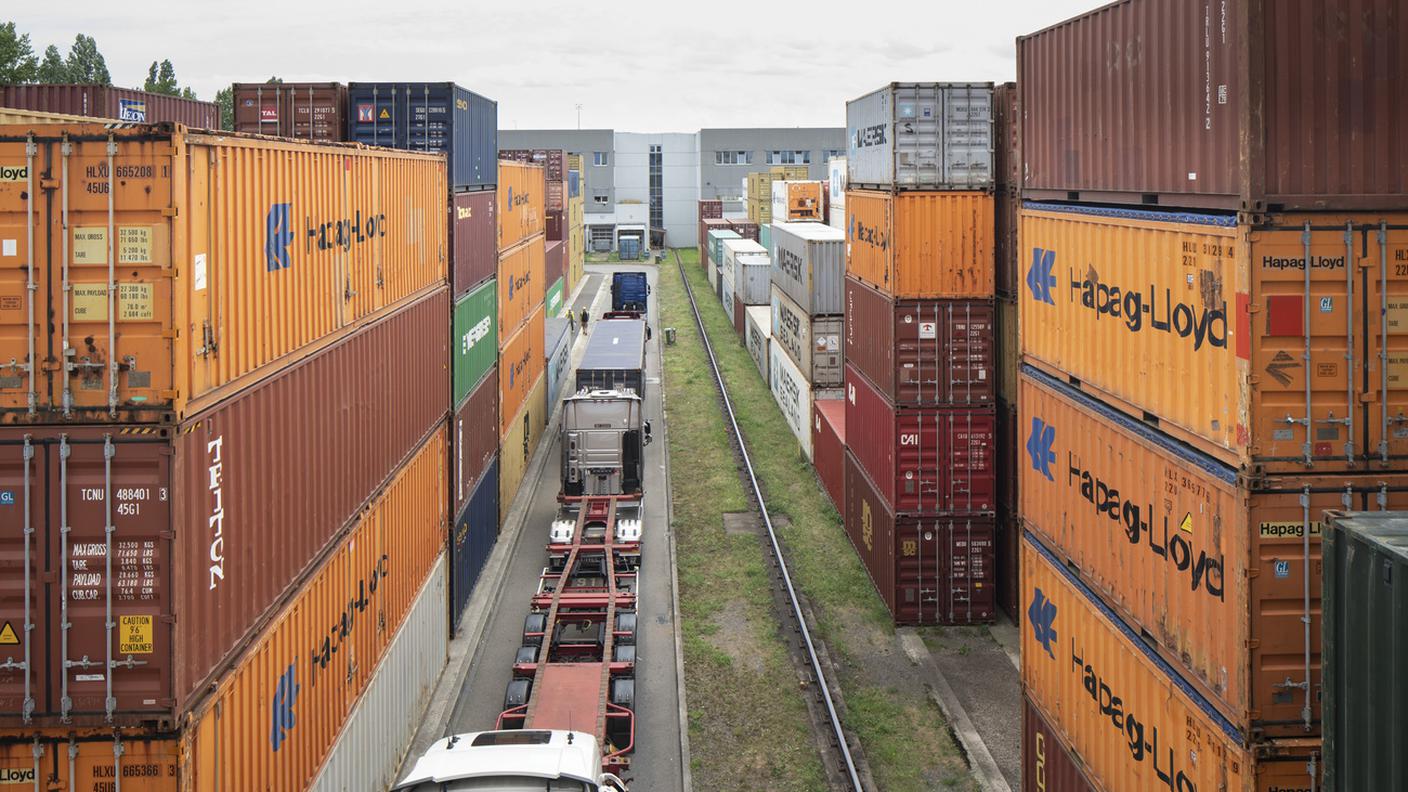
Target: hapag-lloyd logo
857 231
14 173
1154 308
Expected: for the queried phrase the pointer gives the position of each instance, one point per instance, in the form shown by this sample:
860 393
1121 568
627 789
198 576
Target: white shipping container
375 737
751 269
757 335
793 395
921 136
813 342
809 265
836 192
713 271
726 292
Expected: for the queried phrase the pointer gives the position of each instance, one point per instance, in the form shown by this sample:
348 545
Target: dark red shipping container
554 262
740 318
829 447
555 227
102 101
1007 150
705 226
306 111
1047 764
745 229
473 240
710 207
929 569
1009 566
474 438
922 352
924 459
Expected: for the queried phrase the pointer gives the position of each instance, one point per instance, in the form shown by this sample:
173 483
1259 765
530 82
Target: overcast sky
633 65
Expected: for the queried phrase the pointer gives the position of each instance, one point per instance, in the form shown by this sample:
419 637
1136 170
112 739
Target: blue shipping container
574 184
472 539
430 117
557 340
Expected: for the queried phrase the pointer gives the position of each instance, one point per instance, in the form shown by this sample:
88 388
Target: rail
823 683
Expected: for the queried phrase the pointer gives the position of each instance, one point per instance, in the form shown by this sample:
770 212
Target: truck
512 759
615 357
629 291
604 435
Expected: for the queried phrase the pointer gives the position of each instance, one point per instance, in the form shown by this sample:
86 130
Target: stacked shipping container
306 111
1006 198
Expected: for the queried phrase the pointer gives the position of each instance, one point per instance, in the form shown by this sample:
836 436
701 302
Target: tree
85 63
17 61
161 78
52 69
225 98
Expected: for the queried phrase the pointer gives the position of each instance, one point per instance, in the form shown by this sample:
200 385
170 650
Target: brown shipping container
1218 333
554 262
1047 764
473 232
474 438
235 256
522 286
710 208
922 351
744 228
85 760
1007 203
277 712
331 429
921 244
103 101
520 192
1244 104
829 447
520 440
553 227
1009 356
929 569
1078 659
705 226
1007 149
521 362
306 111
924 459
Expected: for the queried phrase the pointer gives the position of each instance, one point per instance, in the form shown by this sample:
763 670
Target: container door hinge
171 333
1253 308
1368 397
170 394
170 211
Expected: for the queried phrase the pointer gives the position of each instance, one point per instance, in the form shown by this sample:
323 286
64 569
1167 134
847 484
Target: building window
789 157
600 159
835 153
600 198
732 157
657 192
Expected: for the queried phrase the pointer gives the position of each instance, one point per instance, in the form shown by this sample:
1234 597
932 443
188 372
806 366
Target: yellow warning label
135 302
1287 530
90 245
1187 523
8 636
385 114
135 635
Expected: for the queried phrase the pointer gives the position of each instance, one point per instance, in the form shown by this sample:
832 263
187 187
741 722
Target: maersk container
472 538
307 111
829 448
921 244
431 117
921 136
474 349
1047 763
751 269
525 431
127 105
557 344
521 286
473 239
233 256
793 393
809 265
522 362
928 568
1365 650
474 438
813 343
758 336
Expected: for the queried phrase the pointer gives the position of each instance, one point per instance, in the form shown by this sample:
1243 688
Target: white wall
679 180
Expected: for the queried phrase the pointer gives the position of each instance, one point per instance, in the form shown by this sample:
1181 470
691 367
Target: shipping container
472 539
1009 355
921 244
758 336
813 343
1009 441
127 105
557 343
928 568
554 223
1008 271
553 162
829 447
922 351
554 260
710 208
1217 332
521 286
706 247
275 715
924 459
10 115
522 362
307 111
1009 565
520 441
1007 140
809 265
1047 763
750 267
712 272
368 753
475 338
746 229
794 201
90 760
440 117
614 357
576 242
836 192
1244 105
250 301
473 240
474 436
726 292
554 302
1078 659
522 214
1365 650
740 318
793 393
716 241
181 602
921 136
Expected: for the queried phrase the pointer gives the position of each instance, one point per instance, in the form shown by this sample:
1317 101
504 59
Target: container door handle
1349 340
66 149
1383 341
112 280
64 701
108 451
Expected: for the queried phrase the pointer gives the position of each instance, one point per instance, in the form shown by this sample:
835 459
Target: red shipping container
924 459
555 226
929 569
104 101
554 261
1007 458
473 240
474 438
306 111
710 207
1047 764
744 228
829 447
922 351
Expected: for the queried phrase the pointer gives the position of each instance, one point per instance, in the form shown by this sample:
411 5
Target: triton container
307 111
921 244
809 263
921 136
829 447
230 257
813 343
127 105
473 239
431 117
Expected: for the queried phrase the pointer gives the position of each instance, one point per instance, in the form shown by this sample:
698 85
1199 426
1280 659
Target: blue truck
629 291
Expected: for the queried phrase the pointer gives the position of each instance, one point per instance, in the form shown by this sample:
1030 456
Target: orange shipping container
1217 332
1132 724
521 362
921 244
86 760
798 200
521 192
521 287
234 256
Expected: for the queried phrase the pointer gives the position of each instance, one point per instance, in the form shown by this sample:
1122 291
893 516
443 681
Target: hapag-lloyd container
922 351
521 214
813 343
751 268
1047 763
921 136
431 117
921 244
51 760
520 440
757 336
196 533
522 362
473 239
474 438
928 568
553 162
235 256
923 459
829 447
127 105
1078 659
798 200
521 286
1219 334
793 393
472 538
809 264
1241 105
307 111
474 339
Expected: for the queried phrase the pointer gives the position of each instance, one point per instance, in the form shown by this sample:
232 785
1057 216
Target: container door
23 624
22 267
967 136
968 467
1385 393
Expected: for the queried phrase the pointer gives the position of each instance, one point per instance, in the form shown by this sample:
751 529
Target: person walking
584 321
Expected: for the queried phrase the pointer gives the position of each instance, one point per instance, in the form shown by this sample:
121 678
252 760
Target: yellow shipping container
521 288
921 244
1215 330
576 241
233 257
521 195
787 173
520 440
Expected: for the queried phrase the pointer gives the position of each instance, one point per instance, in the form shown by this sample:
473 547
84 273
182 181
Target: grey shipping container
809 265
1365 650
615 356
557 341
921 136
751 269
813 342
430 117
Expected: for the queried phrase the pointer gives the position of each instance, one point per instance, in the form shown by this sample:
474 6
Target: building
727 156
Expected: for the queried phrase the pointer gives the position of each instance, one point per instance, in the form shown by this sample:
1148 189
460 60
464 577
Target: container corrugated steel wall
307 111
1009 356
921 244
272 720
378 732
521 439
521 286
716 241
473 239
472 539
474 433
476 333
829 447
104 101
88 762
210 252
809 265
1078 658
758 336
553 261
793 394
1007 141
726 292
1205 325
439 117
522 362
921 136
521 214
813 343
557 341
1047 764
11 115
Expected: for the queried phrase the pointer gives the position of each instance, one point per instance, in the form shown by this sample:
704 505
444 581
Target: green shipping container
716 245
553 300
476 336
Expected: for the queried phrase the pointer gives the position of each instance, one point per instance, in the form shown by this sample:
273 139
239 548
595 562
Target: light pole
579 115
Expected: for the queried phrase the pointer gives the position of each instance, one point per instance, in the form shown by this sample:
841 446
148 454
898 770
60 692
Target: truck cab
519 760
629 291
604 435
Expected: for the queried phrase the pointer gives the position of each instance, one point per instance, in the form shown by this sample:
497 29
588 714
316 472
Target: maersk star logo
1039 444
1041 615
1039 278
